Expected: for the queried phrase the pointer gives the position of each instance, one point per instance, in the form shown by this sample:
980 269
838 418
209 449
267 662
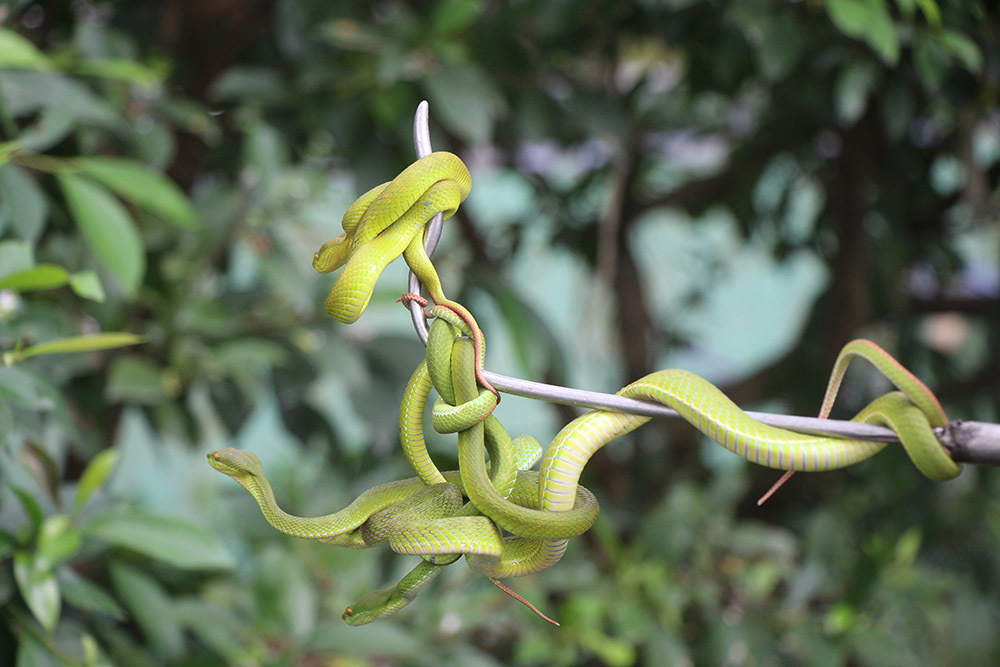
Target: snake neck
305 527
388 601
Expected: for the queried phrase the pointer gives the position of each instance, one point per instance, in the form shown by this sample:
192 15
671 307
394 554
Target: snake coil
441 516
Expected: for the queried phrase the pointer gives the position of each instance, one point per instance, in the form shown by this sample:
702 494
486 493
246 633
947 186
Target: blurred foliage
736 187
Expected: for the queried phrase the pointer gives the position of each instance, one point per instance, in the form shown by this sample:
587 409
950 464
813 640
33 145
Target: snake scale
506 519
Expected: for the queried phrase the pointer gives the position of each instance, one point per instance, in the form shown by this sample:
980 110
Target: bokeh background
736 188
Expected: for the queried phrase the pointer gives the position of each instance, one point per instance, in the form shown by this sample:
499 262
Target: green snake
429 516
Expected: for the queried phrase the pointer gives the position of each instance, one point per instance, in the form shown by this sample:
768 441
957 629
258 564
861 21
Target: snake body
429 516
384 223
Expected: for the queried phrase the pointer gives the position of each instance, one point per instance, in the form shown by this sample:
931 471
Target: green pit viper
429 516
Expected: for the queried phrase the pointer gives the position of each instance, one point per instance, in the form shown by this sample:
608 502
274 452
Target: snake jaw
234 462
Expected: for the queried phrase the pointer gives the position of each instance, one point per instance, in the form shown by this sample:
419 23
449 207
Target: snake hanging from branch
504 518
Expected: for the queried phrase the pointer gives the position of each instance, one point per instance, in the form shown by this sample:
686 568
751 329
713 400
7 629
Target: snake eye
348 612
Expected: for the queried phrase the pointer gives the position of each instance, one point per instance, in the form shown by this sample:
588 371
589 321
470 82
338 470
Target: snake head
235 462
371 607
333 254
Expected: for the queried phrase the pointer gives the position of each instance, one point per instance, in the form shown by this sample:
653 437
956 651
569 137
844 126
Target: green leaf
452 16
143 186
22 204
908 547
94 476
21 389
87 285
31 506
7 545
355 35
868 20
128 71
152 608
15 256
963 48
466 100
58 541
849 16
217 626
32 653
86 595
101 341
249 355
135 380
7 149
853 89
39 589
18 52
54 125
931 11
267 154
108 228
41 277
175 541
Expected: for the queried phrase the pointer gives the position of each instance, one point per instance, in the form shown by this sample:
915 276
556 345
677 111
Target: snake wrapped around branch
504 518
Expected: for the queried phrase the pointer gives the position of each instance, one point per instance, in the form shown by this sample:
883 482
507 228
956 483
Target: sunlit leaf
39 589
964 49
123 70
101 341
868 20
7 149
58 540
40 277
108 228
88 285
16 51
94 476
142 185
931 11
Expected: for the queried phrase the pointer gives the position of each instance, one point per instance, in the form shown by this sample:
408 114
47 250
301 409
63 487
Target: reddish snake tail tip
774 487
508 591
409 297
477 337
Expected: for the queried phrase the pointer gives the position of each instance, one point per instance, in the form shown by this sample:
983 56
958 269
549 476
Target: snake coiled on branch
504 518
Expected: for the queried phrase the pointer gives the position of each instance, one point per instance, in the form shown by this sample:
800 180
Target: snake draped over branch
506 519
